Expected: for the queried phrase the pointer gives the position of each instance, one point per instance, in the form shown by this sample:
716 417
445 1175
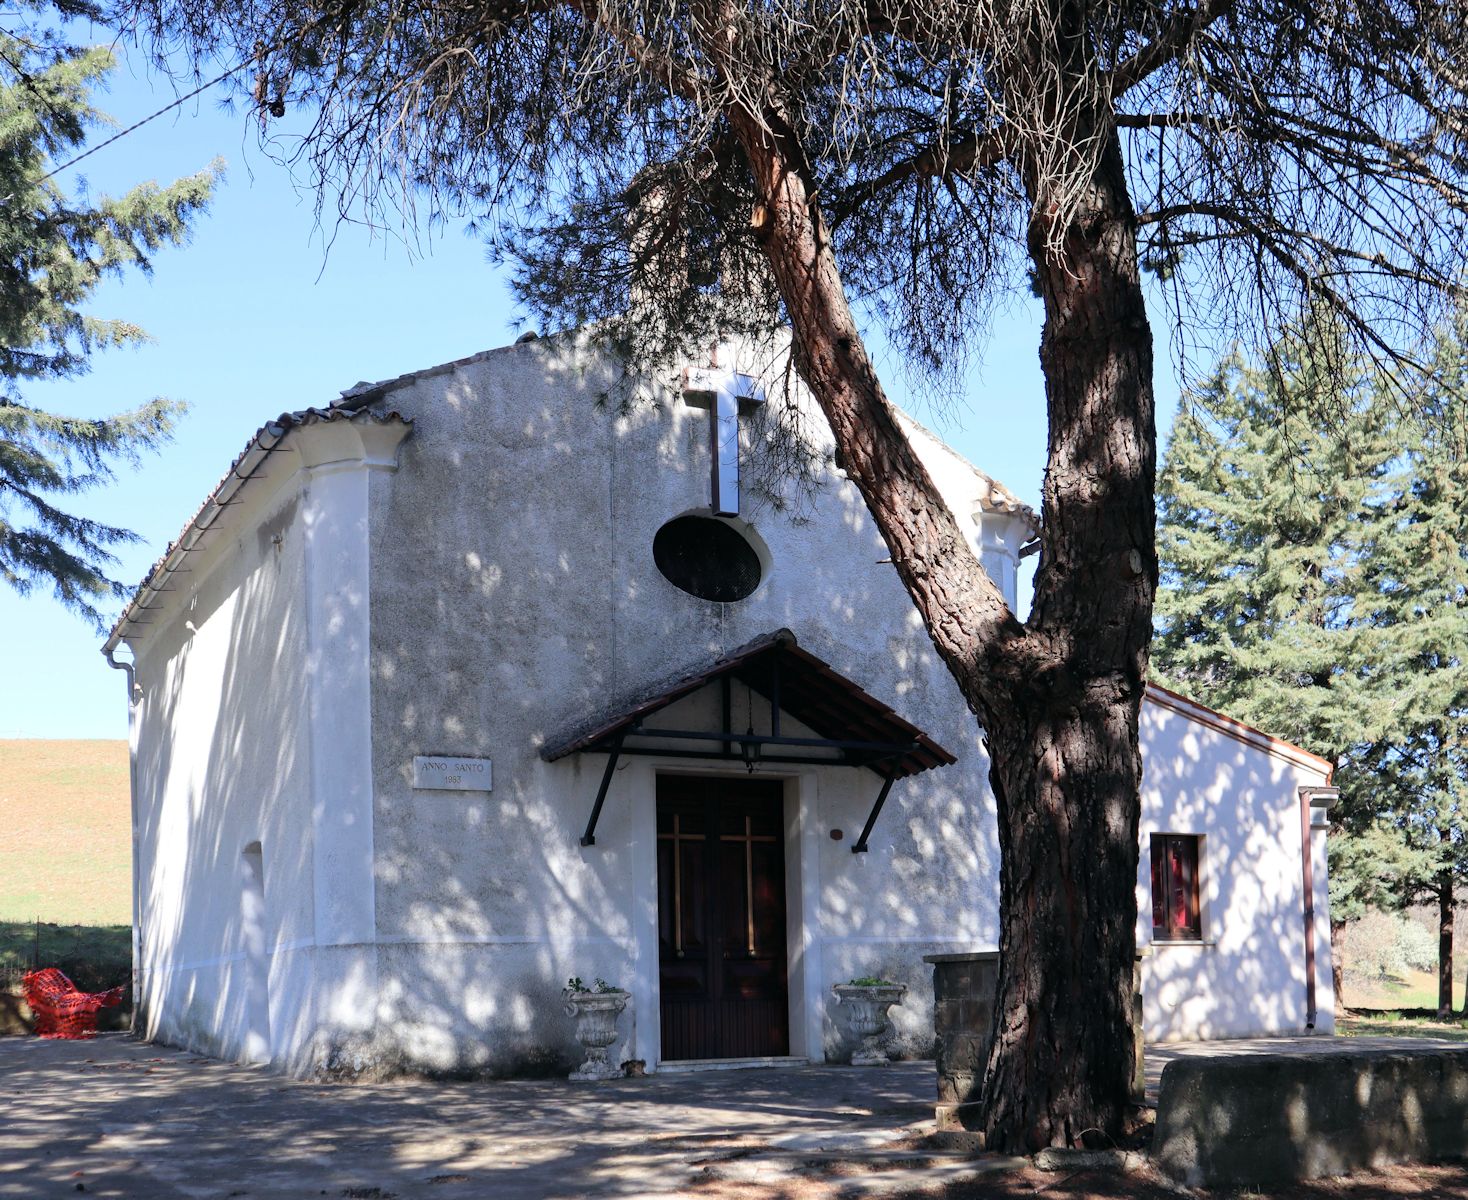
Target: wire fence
94 957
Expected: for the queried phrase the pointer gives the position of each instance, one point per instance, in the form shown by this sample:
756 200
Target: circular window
706 558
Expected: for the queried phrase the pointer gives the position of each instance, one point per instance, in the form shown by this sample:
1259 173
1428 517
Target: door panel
721 918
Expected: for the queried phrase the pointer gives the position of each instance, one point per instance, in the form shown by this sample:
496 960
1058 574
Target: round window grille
706 558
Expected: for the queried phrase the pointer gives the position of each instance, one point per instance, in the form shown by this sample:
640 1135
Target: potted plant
869 998
595 1010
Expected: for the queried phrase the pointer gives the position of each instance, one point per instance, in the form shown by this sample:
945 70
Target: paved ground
131 1120
117 1118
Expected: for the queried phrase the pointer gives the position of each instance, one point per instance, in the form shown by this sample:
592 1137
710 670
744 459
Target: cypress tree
1311 534
1267 471
54 251
1414 598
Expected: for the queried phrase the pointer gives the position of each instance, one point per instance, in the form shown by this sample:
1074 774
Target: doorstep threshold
689 1065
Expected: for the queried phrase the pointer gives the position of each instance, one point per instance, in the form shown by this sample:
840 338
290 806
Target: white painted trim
198 964
296 945
292 945
795 948
338 466
634 789
1325 997
325 436
1173 943
694 1066
135 701
1205 886
646 1035
802 897
809 1017
1209 922
204 964
339 704
336 517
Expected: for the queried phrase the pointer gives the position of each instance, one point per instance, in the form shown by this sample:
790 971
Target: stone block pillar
965 987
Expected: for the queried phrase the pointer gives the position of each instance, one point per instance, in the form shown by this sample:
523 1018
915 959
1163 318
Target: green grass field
95 957
65 859
65 841
1415 990
1402 1006
1397 1024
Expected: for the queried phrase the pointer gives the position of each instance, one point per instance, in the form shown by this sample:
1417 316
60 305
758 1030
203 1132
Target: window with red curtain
1175 913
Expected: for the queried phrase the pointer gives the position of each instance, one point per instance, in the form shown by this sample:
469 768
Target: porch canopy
852 728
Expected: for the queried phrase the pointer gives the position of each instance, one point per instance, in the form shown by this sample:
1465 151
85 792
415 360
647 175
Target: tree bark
1445 936
967 617
1059 700
1066 766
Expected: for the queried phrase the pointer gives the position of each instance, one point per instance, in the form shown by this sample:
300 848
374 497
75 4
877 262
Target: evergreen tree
54 251
1266 475
1414 599
1311 534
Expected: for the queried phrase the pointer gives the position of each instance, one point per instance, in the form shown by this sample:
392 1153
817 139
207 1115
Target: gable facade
458 566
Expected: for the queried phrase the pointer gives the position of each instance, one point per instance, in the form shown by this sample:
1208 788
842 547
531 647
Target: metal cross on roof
722 392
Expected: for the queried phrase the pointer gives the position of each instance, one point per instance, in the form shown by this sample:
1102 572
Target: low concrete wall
1262 1118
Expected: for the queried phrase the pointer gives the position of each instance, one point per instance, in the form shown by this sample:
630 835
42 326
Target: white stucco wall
223 762
1247 974
515 597
496 593
253 771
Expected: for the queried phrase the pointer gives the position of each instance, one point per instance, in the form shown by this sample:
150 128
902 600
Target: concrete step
686 1066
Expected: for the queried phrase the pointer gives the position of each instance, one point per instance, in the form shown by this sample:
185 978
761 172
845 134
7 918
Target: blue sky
258 315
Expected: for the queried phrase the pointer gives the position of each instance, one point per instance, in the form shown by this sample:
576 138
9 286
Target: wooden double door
721 918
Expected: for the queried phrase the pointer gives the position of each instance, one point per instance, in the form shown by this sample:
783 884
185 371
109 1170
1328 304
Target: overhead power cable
136 125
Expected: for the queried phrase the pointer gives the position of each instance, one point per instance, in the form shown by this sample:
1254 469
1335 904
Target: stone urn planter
868 1004
595 1011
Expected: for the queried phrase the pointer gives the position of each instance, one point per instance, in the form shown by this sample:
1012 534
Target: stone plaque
445 774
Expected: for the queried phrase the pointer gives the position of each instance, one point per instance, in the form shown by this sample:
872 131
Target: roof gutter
264 443
1322 798
133 698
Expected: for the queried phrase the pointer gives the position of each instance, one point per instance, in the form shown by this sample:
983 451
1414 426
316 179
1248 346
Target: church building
475 680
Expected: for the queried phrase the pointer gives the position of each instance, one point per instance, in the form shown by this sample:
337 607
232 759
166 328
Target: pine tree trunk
1059 699
1445 937
1065 779
1066 766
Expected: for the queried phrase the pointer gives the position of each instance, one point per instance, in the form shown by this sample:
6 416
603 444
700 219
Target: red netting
61 1011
